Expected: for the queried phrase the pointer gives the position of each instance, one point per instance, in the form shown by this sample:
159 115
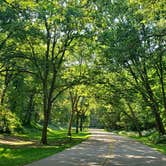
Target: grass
21 154
161 147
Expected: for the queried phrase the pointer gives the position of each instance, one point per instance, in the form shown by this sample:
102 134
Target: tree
74 97
128 47
46 36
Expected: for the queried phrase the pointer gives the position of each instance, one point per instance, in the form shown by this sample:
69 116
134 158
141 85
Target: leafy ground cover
20 149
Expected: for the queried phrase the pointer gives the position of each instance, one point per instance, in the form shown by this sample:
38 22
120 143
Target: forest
83 63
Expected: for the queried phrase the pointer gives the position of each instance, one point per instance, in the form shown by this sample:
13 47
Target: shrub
156 138
9 122
162 139
147 133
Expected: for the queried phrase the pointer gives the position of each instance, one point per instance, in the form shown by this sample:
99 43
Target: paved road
127 152
105 149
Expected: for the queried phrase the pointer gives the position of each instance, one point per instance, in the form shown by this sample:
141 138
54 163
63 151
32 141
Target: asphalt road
105 149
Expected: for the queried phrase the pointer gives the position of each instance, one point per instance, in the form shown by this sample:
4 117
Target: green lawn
161 147
18 155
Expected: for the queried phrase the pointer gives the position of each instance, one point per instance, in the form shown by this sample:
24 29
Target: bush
147 133
9 122
154 137
123 132
157 139
162 139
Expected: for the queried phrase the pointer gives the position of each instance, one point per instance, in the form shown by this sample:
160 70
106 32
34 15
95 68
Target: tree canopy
83 63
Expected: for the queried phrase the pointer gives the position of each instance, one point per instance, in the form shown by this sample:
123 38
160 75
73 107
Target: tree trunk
70 124
155 109
8 78
46 115
3 95
36 117
148 95
74 102
81 124
163 93
44 131
77 122
30 109
45 86
159 122
47 111
135 120
153 102
160 72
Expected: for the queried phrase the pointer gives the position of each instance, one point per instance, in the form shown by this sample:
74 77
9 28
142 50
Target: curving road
105 149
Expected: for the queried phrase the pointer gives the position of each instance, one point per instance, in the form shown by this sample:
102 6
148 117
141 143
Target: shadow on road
105 149
128 152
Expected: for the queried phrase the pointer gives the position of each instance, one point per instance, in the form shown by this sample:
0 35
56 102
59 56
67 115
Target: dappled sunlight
105 149
129 151
92 152
139 157
8 140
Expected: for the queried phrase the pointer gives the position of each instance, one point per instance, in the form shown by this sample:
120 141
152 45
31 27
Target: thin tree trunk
81 123
70 124
154 106
77 122
30 109
153 100
3 95
74 103
159 122
155 109
160 73
8 78
135 120
148 96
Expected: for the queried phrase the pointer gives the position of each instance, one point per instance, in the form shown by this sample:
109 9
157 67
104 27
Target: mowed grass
161 147
19 155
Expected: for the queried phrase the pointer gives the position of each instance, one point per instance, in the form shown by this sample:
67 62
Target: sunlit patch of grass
18 155
22 156
13 140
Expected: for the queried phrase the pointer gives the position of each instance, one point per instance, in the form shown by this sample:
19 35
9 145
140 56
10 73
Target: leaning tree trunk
156 111
159 122
153 103
135 120
160 72
148 96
